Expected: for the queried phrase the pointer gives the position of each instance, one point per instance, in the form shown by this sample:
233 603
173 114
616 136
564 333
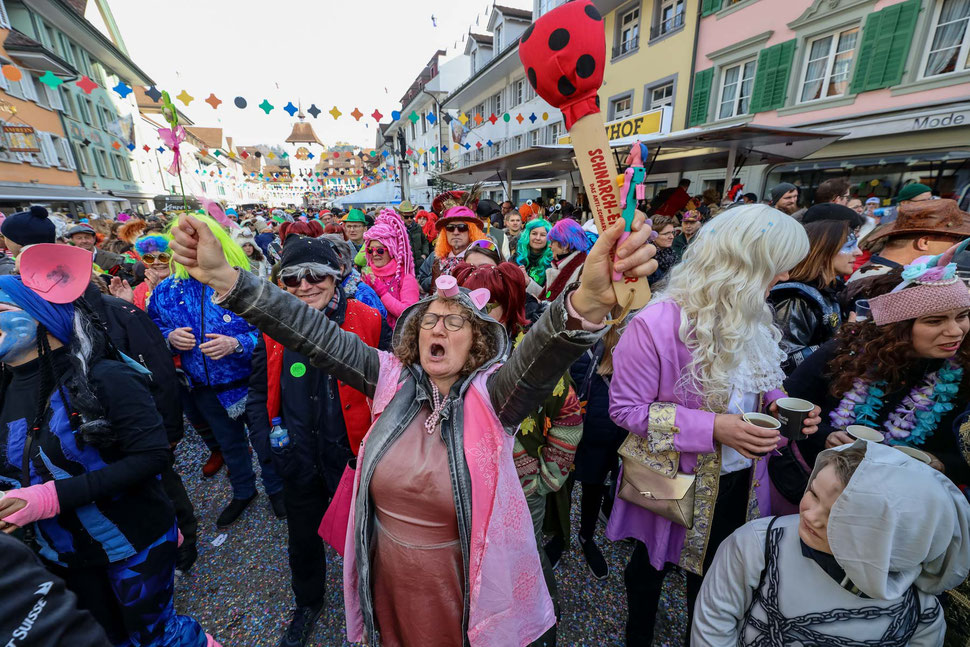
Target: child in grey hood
878 536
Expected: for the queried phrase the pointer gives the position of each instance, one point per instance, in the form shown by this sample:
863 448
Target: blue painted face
18 331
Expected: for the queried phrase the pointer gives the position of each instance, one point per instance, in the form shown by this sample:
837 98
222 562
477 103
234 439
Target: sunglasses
462 227
294 280
485 243
148 259
408 216
378 251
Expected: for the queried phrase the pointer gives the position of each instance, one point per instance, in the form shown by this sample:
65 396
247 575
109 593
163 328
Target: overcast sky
348 53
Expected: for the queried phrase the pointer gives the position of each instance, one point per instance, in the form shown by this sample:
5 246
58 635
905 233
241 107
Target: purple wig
152 244
571 235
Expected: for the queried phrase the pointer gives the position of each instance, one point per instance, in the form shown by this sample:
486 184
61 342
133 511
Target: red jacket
363 321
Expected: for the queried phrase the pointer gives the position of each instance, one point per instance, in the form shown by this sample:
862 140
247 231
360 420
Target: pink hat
929 287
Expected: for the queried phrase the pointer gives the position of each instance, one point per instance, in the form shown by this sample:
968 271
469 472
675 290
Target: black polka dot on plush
532 78
585 66
566 88
593 13
527 33
558 39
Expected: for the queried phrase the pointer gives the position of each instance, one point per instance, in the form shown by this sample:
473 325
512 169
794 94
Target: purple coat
648 363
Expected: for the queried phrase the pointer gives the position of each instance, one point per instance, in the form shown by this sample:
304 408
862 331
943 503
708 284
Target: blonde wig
721 286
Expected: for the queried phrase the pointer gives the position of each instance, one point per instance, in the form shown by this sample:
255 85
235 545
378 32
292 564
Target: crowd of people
786 423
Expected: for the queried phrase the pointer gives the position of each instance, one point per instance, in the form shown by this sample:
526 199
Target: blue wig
153 244
572 236
537 269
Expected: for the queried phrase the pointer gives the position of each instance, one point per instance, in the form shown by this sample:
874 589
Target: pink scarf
509 602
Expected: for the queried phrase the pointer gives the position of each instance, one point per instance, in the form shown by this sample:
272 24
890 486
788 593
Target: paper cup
921 456
791 414
861 432
761 420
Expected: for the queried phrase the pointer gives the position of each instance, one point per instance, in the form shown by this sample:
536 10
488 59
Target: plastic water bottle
278 436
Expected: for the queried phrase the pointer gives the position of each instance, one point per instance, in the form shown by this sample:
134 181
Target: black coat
134 333
811 381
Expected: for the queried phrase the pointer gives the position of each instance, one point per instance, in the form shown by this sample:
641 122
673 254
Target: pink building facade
893 75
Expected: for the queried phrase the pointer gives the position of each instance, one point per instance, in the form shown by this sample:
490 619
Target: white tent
381 193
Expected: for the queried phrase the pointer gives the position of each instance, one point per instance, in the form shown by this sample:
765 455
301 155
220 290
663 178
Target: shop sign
21 139
940 121
916 121
645 123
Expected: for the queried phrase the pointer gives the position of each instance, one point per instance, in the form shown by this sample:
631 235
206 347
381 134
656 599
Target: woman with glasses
155 256
483 252
806 306
667 257
440 550
534 254
390 264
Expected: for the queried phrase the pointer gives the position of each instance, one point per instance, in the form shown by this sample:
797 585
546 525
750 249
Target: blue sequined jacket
186 303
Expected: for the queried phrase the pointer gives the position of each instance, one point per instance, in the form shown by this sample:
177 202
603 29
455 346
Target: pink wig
389 230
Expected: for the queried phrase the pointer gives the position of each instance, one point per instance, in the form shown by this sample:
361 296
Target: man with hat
914 192
690 224
420 247
324 419
784 198
84 236
922 228
458 228
355 224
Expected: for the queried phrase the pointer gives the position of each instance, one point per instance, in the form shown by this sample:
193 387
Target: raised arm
275 312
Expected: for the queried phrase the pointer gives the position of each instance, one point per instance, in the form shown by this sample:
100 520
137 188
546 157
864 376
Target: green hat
406 208
355 215
910 191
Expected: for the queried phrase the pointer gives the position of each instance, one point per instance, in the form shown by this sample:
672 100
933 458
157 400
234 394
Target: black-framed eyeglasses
453 322
294 280
458 226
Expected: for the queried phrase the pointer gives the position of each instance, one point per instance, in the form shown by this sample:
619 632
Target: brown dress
418 577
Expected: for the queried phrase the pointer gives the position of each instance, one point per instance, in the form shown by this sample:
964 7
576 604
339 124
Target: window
737 82
496 149
63 150
47 149
480 110
13 88
66 49
517 143
104 117
86 109
497 38
53 96
518 92
622 107
101 162
555 132
549 5
662 95
120 167
424 124
949 49
473 58
828 65
81 154
4 19
671 16
629 32
534 137
497 105
67 103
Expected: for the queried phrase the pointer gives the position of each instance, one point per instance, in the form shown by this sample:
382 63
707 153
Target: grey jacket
524 381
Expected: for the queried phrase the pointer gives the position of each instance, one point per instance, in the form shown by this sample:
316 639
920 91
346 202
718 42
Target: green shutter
710 6
702 97
771 77
886 39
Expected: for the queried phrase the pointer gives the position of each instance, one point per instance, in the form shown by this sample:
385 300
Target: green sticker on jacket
298 369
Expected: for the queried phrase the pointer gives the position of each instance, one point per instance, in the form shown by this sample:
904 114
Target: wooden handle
598 170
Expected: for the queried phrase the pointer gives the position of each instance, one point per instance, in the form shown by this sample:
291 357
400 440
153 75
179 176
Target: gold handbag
651 480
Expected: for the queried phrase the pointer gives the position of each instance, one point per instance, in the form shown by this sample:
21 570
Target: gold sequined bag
652 481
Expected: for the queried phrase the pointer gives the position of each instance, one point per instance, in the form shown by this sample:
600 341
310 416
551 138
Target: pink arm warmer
42 503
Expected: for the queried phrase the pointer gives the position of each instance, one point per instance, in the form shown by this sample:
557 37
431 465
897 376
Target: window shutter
701 99
3 79
66 149
710 6
886 40
47 149
27 84
54 97
4 18
771 78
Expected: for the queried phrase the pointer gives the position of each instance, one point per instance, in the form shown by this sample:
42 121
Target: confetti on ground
241 592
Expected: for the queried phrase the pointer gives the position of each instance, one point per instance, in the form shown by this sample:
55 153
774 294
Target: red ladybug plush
564 53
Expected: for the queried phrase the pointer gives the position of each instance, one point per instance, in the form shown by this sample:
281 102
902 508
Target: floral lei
916 417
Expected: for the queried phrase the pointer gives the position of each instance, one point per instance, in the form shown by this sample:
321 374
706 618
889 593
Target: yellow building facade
649 58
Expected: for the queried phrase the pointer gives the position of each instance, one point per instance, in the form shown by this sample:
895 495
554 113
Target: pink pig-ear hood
564 56
447 288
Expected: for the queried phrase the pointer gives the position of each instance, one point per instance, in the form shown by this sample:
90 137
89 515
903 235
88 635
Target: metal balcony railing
626 46
673 23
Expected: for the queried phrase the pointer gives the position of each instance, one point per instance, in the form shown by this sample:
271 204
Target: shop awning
42 195
380 193
727 147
